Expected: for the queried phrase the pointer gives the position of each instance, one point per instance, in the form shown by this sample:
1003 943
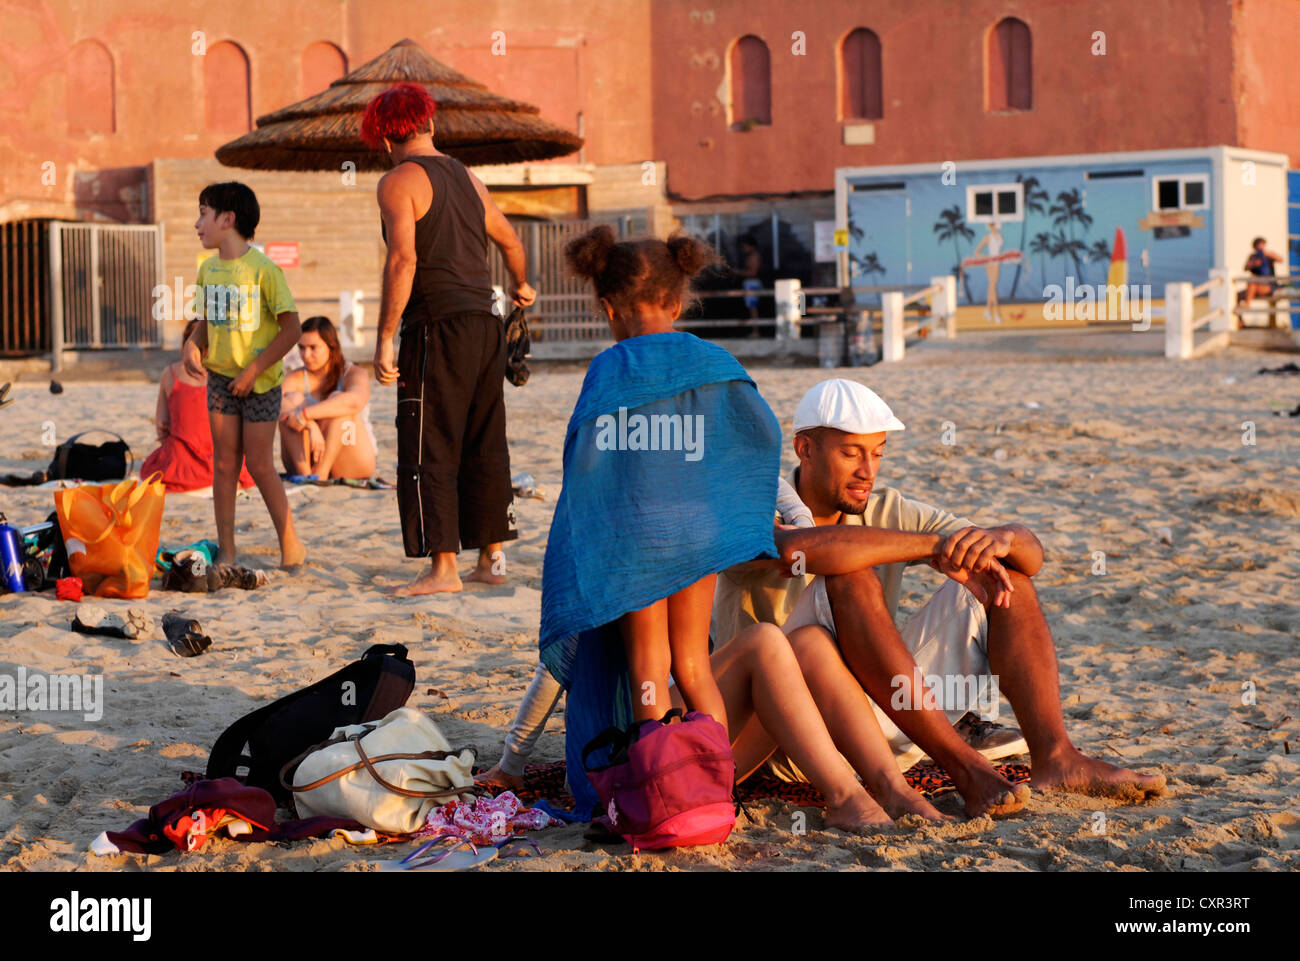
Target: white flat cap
844 405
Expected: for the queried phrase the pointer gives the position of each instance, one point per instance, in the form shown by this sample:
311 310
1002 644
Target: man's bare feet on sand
1077 773
858 814
491 567
497 778
987 792
430 582
292 553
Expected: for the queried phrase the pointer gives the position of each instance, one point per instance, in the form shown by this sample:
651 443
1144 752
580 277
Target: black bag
270 737
92 462
518 344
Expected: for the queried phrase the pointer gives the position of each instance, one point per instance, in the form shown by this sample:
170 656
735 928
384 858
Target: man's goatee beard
846 508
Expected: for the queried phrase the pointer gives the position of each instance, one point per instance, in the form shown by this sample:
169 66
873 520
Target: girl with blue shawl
670 460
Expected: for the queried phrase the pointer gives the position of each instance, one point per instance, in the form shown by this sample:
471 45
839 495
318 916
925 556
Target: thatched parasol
472 124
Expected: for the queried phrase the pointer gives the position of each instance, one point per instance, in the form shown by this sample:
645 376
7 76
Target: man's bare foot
499 779
1077 773
859 814
904 801
484 575
223 558
430 582
292 553
987 792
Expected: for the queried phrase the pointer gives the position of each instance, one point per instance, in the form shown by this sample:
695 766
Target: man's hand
523 295
242 385
193 360
992 584
975 548
385 371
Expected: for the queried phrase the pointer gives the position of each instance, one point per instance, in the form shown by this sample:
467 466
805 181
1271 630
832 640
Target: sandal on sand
427 857
519 853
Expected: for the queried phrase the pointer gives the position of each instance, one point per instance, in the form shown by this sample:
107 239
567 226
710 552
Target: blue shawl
670 461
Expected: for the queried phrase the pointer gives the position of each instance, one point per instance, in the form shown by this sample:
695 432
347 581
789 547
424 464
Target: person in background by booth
325 411
1260 264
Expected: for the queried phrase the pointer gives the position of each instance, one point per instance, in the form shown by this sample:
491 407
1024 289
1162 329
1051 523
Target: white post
352 314
1178 321
1221 299
943 305
789 309
56 297
891 317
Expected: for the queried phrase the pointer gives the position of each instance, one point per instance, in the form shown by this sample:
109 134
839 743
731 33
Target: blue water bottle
11 556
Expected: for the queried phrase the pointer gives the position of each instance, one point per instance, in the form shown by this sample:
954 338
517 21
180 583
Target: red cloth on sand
185 457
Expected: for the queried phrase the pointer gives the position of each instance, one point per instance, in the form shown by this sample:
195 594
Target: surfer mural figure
991 261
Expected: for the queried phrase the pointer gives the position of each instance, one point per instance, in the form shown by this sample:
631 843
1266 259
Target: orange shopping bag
111 533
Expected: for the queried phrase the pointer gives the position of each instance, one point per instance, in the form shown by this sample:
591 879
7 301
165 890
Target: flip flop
450 858
522 853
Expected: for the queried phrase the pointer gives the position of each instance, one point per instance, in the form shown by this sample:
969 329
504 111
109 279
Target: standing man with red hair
453 467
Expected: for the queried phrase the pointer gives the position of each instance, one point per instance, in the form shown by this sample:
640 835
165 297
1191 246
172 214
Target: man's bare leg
1023 656
875 653
853 726
768 704
491 566
441 578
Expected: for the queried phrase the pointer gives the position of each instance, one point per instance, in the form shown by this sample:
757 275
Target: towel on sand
670 461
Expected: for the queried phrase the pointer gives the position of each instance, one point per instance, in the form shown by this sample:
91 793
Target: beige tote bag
386 774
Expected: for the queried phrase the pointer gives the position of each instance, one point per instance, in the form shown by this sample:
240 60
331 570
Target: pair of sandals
460 853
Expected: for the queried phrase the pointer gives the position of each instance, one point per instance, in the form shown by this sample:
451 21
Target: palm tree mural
868 264
1041 245
1061 245
1067 211
952 226
1034 200
1100 251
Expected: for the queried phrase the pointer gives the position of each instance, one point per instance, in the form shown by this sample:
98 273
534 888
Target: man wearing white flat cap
982 632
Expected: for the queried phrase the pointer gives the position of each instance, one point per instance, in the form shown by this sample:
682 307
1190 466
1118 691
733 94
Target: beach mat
546 781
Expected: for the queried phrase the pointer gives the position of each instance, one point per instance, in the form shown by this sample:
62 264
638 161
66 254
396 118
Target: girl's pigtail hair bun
588 255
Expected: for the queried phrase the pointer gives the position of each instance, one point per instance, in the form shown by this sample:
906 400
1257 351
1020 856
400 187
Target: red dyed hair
397 114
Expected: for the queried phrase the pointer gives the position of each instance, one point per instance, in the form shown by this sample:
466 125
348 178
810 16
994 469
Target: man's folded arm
842 549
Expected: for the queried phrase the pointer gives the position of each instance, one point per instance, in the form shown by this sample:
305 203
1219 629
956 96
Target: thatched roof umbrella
472 124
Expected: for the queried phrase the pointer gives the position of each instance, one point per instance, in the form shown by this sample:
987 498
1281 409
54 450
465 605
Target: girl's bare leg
689 611
645 641
259 457
293 451
227 455
758 676
852 723
347 450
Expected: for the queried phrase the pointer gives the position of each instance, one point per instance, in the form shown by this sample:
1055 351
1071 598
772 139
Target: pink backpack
669 783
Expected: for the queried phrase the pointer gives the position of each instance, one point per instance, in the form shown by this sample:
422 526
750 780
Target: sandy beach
1141 459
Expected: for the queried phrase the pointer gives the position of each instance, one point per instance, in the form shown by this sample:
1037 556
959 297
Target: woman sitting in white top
325 411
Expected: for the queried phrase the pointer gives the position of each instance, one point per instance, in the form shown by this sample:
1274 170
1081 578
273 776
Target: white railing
1181 322
895 330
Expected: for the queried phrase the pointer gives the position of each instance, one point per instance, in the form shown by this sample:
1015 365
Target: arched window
90 89
322 64
1010 66
860 90
750 67
225 88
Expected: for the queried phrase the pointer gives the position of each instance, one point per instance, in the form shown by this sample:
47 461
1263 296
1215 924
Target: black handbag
270 740
111 460
518 344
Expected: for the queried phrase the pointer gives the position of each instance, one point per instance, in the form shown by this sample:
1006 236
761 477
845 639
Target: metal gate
565 309
102 281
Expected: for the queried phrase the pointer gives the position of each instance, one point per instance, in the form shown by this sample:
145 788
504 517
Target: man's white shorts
948 640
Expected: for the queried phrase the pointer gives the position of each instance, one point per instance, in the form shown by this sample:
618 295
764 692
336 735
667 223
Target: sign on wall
283 254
